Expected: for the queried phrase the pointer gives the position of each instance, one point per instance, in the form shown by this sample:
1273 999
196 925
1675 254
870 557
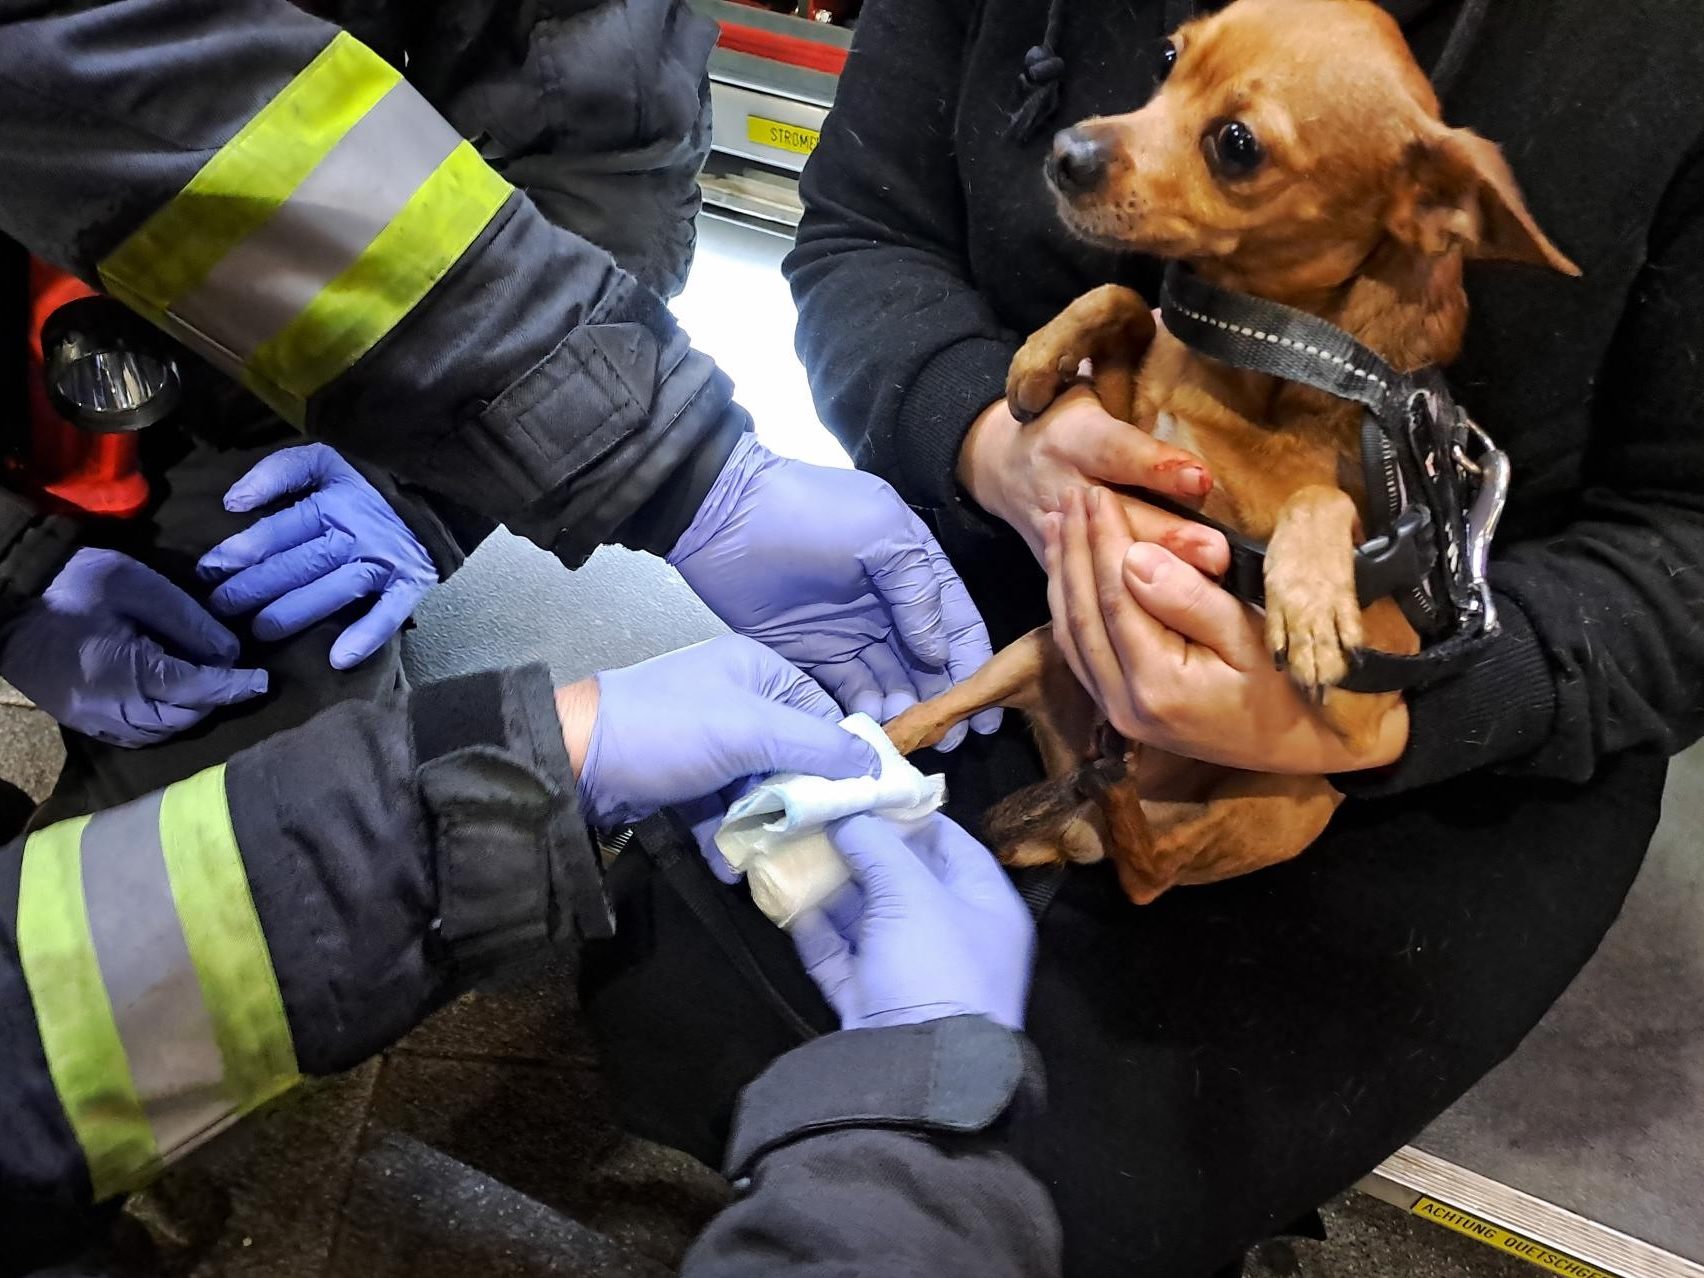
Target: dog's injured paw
1048 823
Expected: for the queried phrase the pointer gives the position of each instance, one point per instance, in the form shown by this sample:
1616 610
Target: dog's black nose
1078 164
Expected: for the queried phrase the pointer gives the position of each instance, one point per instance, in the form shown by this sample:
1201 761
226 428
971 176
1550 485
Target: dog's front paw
1039 372
1313 615
1313 630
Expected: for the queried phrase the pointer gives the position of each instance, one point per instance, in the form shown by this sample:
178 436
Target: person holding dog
1223 1061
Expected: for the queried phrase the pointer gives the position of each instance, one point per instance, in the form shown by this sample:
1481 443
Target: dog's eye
1168 60
1233 149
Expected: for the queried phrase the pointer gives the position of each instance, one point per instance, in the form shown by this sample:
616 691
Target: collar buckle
1488 474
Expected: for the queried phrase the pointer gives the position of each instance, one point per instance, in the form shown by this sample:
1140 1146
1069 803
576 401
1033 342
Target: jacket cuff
945 398
398 853
419 517
659 524
515 866
638 459
1497 709
952 1077
430 514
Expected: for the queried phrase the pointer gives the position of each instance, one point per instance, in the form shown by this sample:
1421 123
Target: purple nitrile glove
832 570
115 651
340 543
929 927
695 722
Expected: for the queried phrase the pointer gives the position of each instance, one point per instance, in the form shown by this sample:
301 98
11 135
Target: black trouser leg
1228 1058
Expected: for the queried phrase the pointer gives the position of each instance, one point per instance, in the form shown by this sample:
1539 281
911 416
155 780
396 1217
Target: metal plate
766 127
1515 1223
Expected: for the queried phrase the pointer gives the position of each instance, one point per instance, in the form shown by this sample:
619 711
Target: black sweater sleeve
1603 622
903 350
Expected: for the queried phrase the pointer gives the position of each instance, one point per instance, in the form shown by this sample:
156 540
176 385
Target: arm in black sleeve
397 854
34 546
613 155
880 1152
529 379
903 351
332 885
1602 647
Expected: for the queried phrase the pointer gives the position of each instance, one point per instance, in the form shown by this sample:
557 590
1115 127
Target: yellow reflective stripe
358 307
225 940
248 178
79 1037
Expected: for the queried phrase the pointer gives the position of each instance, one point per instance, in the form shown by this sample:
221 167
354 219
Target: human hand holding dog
1022 473
1175 661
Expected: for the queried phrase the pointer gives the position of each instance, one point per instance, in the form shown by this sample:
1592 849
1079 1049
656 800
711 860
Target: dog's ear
1455 190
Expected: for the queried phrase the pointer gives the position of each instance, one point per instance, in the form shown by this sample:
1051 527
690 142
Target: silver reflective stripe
322 228
157 1004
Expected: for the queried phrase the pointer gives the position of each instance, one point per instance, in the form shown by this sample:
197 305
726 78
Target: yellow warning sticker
796 138
1503 1240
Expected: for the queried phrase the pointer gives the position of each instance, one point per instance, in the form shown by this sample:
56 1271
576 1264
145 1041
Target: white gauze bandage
777 836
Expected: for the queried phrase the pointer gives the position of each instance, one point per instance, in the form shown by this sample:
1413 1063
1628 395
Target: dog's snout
1079 163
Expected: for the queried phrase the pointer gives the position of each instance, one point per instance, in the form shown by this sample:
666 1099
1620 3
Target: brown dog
1295 153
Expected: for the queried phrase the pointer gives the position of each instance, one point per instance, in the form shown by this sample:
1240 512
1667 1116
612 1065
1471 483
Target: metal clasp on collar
1489 475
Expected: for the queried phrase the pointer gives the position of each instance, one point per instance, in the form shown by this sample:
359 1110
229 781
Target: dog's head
1289 141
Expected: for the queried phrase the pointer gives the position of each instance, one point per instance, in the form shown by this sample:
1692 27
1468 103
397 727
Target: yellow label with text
797 138
1503 1240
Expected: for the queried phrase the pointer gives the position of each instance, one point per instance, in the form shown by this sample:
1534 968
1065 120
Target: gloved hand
833 571
338 544
115 651
696 722
929 927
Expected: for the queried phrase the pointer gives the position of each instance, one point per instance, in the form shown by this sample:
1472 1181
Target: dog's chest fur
1262 440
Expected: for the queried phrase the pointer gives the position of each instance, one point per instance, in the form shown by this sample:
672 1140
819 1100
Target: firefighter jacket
169 965
278 197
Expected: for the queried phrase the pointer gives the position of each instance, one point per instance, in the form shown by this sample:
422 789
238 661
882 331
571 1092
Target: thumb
1113 452
166 613
368 634
781 739
1178 597
802 692
969 870
774 677
290 470
885 870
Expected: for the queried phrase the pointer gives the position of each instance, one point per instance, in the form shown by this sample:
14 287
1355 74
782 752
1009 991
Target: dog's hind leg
1252 820
1056 820
1029 675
